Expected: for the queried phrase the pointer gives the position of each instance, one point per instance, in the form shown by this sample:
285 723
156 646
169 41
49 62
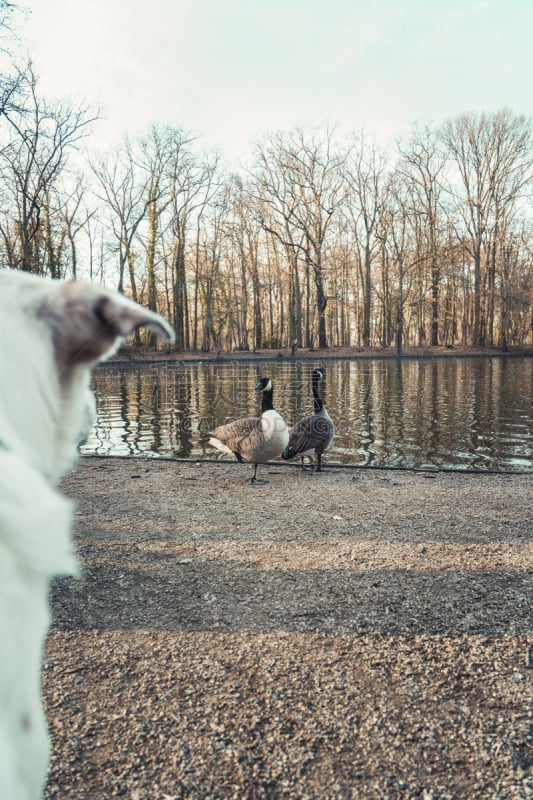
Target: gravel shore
352 634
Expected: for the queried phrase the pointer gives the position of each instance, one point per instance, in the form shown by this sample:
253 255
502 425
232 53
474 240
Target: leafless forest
318 242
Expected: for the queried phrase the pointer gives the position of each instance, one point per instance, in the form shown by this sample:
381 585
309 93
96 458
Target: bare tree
193 185
180 185
492 154
75 217
126 199
41 135
365 175
300 181
11 81
155 159
422 165
245 245
213 289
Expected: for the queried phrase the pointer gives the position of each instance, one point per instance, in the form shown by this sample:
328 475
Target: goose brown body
312 434
254 439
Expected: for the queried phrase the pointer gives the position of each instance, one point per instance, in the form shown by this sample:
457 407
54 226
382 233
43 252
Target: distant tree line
320 242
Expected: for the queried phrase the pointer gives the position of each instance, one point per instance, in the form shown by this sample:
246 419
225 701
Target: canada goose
255 439
314 432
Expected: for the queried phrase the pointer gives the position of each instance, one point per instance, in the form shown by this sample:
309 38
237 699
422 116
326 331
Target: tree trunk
477 337
180 310
133 283
367 280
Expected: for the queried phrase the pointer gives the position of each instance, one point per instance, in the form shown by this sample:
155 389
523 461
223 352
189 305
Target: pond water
471 413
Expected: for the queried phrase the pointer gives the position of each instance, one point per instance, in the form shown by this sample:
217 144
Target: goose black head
319 374
264 385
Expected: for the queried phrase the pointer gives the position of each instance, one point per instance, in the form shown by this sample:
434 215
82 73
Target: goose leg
255 480
319 466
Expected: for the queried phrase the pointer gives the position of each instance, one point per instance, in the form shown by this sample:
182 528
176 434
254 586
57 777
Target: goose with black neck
313 433
254 439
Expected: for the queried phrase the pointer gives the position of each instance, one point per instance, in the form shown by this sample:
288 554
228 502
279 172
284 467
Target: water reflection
474 413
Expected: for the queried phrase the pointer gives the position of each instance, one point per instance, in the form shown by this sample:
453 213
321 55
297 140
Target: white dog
52 332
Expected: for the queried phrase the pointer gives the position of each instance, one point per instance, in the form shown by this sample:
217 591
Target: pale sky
230 71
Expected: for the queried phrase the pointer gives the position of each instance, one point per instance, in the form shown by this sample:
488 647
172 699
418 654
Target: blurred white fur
52 332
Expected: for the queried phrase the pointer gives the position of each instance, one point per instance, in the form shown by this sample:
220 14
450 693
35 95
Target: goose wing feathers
242 436
310 433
